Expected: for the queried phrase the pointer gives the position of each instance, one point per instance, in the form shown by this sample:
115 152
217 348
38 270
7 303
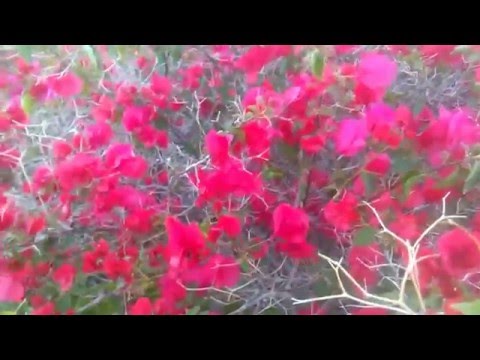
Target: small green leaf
473 178
64 303
272 173
245 266
25 51
392 295
364 236
454 178
27 102
403 163
418 107
91 54
194 311
410 179
322 288
468 308
8 312
318 63
369 180
272 311
288 151
8 308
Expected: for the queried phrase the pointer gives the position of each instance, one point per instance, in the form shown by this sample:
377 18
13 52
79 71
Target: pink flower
117 153
67 85
160 85
217 146
136 117
11 290
290 224
142 306
377 71
64 276
231 225
362 261
224 271
351 137
378 163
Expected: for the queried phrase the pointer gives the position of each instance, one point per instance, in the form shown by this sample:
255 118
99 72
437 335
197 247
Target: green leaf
91 54
109 306
369 180
410 179
288 151
364 236
473 178
454 178
64 303
403 163
8 312
227 309
317 65
392 295
8 308
27 102
468 308
272 311
322 288
194 311
272 173
25 51
245 266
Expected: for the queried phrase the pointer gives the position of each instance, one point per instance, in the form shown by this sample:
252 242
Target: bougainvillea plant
227 179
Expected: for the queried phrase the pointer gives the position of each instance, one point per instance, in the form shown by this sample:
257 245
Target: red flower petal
64 276
231 225
143 306
67 85
11 290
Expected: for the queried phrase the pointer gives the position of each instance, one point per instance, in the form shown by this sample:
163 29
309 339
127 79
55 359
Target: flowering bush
280 179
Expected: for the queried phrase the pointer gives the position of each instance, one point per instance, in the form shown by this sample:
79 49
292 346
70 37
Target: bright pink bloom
224 271
351 137
105 110
35 224
98 135
116 154
160 85
362 261
135 117
11 290
61 149
370 311
258 135
342 214
45 309
290 224
312 144
116 268
67 85
217 147
64 276
142 306
184 238
459 252
230 224
140 221
294 250
376 71
378 163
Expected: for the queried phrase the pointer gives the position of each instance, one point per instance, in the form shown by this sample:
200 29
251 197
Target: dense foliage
225 179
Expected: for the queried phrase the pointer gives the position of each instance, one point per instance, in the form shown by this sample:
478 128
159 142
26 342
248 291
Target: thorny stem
411 271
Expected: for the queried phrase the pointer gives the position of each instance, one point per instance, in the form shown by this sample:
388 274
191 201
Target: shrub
280 179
